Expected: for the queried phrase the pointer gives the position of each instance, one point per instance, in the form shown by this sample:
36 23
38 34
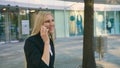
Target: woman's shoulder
33 38
30 38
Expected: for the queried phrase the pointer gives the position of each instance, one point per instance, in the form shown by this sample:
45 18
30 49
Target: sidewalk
11 55
112 57
68 53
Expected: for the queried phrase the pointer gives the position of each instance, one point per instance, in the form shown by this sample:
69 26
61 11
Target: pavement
68 53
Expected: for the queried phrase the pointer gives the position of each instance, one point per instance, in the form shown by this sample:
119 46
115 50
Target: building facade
16 21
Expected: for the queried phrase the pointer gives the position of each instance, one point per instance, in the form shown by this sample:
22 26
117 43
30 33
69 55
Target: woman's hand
45 37
44 34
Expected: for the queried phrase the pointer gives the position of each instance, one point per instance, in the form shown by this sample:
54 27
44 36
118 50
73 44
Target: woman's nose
51 23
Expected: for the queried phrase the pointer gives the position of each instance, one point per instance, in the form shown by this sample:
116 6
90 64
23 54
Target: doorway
8 24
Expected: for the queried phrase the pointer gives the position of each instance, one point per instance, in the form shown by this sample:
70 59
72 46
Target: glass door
2 27
8 24
13 27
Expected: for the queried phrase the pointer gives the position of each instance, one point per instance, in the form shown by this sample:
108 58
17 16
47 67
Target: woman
39 48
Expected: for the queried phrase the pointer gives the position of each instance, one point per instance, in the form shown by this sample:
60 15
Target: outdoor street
68 53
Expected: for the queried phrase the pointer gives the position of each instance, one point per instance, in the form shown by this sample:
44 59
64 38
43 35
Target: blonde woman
39 47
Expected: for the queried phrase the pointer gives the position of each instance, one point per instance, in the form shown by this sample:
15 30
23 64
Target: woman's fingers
44 30
44 34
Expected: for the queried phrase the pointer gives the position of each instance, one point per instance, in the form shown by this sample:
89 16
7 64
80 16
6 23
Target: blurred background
17 19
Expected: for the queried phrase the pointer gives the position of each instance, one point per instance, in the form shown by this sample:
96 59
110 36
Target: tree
88 51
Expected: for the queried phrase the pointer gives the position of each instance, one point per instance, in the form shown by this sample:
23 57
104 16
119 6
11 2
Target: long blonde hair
39 20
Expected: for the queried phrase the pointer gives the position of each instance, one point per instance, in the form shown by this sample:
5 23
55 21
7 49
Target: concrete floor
68 53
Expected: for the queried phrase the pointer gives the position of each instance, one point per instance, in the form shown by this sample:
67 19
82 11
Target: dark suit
33 49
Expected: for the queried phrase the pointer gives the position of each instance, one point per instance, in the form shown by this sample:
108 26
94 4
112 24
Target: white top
51 53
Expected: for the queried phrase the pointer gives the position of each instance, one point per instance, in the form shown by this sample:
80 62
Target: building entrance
2 28
8 24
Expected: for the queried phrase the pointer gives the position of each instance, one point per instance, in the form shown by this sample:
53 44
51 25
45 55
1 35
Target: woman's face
49 23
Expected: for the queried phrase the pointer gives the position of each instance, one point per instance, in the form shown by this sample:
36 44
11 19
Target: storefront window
9 23
24 23
2 27
13 25
100 24
76 23
110 22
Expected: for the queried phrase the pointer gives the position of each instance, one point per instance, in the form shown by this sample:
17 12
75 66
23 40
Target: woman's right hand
44 34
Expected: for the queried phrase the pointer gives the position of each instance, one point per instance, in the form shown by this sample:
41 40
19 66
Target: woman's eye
47 21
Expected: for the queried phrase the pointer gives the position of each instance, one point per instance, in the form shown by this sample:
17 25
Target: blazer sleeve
33 55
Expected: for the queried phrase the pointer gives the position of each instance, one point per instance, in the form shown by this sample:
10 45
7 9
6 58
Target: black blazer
33 49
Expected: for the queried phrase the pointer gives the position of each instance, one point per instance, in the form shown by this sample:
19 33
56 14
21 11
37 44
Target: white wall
66 20
59 23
